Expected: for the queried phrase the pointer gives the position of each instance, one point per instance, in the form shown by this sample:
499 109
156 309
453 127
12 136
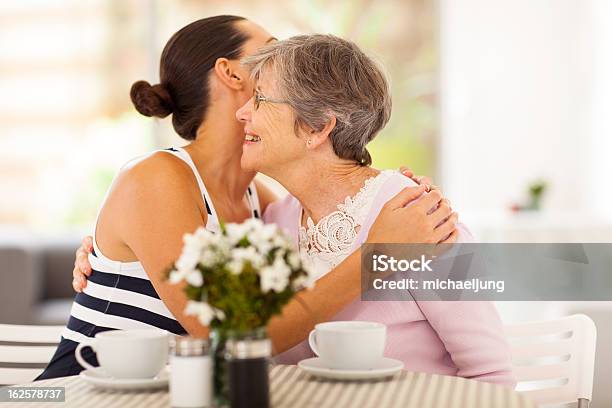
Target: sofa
36 279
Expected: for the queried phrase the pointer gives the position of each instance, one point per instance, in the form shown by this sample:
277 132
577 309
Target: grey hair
321 76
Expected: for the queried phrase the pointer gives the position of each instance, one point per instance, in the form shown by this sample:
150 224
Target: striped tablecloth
290 387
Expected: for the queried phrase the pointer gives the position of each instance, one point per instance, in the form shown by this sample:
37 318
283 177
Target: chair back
25 351
554 360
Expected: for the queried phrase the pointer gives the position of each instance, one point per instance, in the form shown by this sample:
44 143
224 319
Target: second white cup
349 344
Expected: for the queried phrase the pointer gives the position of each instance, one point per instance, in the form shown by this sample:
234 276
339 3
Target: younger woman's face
258 37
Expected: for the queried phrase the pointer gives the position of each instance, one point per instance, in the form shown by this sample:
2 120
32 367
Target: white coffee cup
139 353
349 344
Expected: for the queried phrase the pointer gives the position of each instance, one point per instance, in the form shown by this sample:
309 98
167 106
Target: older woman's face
270 141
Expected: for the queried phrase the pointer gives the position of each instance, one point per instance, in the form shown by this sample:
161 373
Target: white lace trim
331 239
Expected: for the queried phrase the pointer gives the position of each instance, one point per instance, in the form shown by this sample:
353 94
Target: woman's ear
228 74
316 138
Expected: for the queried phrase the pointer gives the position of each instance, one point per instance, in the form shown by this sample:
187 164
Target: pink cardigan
459 338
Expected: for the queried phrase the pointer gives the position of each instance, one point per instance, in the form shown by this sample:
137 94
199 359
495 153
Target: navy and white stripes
119 295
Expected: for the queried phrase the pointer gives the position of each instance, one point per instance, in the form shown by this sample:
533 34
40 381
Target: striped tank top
120 296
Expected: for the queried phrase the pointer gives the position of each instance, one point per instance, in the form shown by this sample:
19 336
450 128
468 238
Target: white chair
557 354
32 346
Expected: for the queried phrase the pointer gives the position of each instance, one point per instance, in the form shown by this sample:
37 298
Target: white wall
601 113
524 95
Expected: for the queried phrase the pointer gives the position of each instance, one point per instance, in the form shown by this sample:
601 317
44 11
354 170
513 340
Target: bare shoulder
153 172
154 167
265 194
154 186
159 177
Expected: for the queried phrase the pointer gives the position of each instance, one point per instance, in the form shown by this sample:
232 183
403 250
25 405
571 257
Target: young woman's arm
155 220
82 268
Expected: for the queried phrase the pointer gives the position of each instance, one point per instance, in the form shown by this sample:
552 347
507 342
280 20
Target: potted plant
236 281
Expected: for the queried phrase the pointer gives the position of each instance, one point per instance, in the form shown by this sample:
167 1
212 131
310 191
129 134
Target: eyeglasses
258 98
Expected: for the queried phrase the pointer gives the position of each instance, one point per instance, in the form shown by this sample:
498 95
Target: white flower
204 312
194 278
219 314
275 277
188 260
281 241
307 266
235 266
223 247
294 260
253 224
280 254
248 254
209 257
203 236
235 232
264 233
177 275
263 247
303 281
193 245
195 241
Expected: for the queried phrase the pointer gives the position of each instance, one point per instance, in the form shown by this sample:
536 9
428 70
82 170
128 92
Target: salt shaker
247 370
191 370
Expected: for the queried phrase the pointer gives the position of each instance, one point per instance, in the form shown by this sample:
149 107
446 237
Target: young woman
157 198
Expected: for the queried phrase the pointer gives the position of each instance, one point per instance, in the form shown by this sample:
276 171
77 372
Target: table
290 387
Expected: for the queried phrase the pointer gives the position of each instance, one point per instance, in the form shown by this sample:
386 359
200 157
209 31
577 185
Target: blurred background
67 67
505 103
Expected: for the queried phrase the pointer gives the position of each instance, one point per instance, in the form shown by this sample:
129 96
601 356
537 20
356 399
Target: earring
309 142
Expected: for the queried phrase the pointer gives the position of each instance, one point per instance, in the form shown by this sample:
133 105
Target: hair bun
151 100
366 159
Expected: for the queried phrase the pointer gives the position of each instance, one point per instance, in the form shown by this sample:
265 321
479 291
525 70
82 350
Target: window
67 66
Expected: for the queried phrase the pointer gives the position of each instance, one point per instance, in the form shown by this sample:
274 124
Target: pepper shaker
247 363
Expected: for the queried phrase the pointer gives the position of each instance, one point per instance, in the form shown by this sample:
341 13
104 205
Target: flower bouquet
237 280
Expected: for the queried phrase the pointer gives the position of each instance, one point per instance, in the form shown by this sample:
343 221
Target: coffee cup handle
312 341
77 353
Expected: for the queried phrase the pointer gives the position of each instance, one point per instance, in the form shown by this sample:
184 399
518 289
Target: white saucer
384 368
100 379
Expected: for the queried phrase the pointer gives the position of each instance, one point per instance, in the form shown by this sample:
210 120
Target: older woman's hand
406 171
422 180
82 267
429 219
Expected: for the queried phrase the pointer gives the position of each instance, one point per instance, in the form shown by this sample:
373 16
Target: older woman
319 100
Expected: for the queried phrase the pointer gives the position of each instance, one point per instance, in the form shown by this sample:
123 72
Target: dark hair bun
151 100
366 159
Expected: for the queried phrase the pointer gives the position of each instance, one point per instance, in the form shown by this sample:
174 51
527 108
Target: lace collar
332 237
